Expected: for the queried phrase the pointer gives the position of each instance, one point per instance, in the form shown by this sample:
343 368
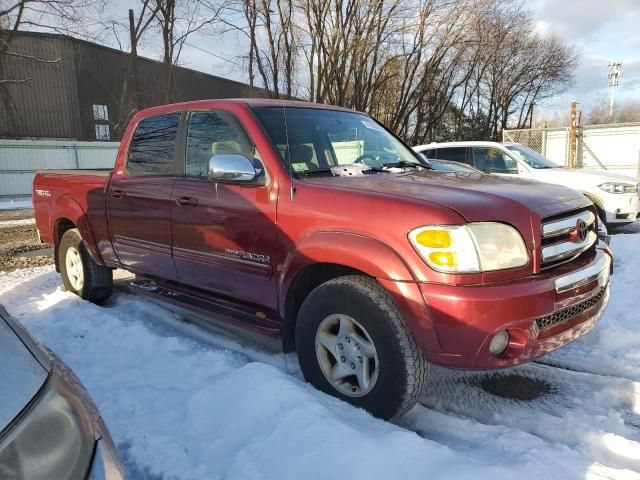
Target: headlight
52 440
612 187
476 247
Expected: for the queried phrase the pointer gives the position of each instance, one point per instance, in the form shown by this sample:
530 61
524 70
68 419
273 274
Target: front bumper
541 314
621 207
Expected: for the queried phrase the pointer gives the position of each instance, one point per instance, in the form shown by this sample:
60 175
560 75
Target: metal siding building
58 101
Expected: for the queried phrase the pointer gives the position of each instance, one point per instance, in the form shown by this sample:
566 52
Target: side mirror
232 168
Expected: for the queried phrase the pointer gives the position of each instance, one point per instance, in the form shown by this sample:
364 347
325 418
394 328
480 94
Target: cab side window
213 133
153 144
453 154
494 160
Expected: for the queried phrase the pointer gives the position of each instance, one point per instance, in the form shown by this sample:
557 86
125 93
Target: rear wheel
353 343
80 274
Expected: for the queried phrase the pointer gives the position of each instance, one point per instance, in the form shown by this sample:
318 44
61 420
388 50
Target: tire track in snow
595 415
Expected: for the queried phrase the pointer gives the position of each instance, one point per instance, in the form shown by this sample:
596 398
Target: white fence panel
556 146
616 147
21 159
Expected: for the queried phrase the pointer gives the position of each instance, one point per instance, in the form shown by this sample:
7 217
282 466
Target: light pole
615 73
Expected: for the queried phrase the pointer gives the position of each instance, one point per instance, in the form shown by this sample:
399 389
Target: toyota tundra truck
315 227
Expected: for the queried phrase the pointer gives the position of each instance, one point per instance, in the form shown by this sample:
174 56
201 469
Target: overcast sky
602 29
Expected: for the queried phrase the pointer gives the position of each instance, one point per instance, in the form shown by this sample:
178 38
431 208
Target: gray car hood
21 375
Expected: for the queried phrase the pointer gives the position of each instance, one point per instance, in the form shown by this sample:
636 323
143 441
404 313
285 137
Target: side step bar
211 316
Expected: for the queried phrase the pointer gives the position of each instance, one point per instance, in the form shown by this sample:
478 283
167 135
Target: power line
214 54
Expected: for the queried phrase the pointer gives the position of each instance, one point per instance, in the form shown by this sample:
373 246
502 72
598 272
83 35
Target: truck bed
70 193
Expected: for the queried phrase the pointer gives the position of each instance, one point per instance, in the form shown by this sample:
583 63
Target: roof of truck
250 102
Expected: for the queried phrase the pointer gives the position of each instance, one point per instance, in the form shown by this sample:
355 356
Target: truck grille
571 312
567 236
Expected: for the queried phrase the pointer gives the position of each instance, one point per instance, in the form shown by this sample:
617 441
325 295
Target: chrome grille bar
565 225
563 250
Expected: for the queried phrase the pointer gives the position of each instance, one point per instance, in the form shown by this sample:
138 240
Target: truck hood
580 178
21 375
475 196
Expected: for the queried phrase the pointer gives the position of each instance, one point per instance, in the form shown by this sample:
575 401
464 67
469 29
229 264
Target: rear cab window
152 148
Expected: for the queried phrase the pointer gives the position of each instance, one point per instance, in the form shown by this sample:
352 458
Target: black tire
97 284
402 370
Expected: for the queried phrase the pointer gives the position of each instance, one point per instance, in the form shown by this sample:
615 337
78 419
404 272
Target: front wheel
353 343
80 274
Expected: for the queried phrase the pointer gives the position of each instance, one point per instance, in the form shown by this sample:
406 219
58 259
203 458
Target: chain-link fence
532 138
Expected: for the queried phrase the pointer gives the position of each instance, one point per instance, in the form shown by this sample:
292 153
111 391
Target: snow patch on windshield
350 170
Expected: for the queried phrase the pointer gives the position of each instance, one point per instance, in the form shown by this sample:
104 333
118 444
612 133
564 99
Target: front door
139 199
224 236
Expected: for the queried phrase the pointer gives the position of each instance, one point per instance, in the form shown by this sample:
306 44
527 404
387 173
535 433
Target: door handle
118 193
186 202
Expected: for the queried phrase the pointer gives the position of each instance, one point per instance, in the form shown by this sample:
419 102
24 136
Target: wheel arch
323 256
69 214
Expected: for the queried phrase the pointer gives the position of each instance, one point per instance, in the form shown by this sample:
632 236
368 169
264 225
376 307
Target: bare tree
272 37
430 69
177 21
130 101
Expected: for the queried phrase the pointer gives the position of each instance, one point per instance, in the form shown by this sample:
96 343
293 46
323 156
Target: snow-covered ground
185 404
15 204
17 223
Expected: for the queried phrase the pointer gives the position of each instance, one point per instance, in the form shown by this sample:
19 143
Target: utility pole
532 107
134 61
614 75
573 135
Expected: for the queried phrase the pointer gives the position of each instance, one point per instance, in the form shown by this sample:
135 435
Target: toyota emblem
581 229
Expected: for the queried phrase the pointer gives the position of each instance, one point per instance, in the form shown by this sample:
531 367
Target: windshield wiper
406 164
315 170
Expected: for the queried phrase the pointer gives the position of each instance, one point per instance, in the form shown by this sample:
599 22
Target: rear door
139 199
224 236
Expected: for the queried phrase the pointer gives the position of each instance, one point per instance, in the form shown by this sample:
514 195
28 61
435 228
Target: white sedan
615 196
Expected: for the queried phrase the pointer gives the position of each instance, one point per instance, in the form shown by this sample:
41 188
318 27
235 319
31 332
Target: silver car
49 427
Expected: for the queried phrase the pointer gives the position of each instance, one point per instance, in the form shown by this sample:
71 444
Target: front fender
67 207
371 257
362 253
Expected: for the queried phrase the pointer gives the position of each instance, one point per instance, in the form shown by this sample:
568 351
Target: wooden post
134 62
573 136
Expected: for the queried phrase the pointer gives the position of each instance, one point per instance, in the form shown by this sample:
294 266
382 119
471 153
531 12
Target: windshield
531 157
315 140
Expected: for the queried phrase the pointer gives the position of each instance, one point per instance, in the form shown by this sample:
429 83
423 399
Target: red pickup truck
316 225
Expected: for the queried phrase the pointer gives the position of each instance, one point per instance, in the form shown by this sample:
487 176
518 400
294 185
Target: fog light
499 343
